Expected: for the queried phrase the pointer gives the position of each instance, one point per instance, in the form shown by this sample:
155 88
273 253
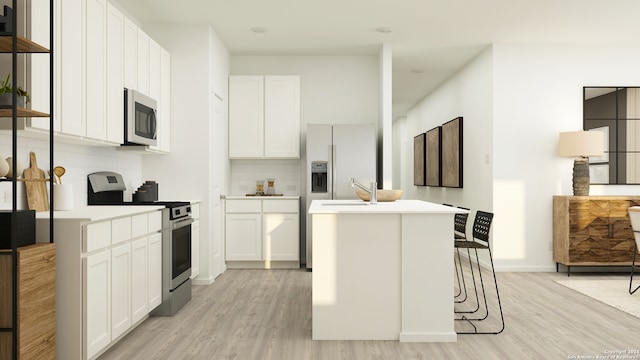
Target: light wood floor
266 314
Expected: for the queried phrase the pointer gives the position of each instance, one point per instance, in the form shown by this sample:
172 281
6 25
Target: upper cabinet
264 117
99 52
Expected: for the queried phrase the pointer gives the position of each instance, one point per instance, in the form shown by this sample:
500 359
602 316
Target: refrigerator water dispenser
318 176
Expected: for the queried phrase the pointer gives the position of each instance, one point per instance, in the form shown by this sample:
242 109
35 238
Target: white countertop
98 213
391 207
244 197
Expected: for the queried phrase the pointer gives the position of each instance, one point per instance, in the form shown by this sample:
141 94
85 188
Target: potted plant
6 94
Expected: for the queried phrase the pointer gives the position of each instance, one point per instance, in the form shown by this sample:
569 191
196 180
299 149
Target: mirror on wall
616 112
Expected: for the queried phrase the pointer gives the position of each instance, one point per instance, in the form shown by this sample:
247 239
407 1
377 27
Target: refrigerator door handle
332 152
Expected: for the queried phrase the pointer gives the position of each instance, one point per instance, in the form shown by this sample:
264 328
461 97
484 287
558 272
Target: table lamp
581 145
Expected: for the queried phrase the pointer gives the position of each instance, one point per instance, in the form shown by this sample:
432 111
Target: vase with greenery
6 94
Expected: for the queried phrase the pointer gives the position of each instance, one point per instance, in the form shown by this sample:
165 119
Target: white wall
538 94
515 100
78 160
199 70
466 94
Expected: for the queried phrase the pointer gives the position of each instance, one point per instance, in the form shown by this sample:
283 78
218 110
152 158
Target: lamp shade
581 143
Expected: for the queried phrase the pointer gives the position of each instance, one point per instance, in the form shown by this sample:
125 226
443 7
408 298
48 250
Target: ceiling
430 39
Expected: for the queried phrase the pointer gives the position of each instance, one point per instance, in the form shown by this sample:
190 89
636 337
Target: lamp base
581 177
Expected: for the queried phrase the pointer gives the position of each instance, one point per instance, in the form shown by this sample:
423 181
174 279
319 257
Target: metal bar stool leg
462 288
475 288
633 266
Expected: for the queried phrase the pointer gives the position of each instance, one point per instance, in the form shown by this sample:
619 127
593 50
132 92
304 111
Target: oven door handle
181 223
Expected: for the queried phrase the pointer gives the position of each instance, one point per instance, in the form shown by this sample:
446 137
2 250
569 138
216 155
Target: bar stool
480 241
634 215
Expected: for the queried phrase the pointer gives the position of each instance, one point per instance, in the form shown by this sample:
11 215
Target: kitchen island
383 271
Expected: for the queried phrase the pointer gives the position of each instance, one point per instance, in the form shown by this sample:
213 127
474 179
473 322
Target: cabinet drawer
155 221
120 230
280 206
139 225
97 236
244 206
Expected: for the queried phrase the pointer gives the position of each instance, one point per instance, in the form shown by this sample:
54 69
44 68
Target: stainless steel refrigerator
336 153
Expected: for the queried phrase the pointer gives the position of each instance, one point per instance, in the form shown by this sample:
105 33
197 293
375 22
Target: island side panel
427 278
356 276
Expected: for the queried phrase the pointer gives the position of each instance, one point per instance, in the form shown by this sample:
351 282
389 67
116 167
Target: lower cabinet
139 279
593 230
262 233
36 290
108 280
97 309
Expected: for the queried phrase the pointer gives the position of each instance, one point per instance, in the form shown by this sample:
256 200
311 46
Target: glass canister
259 187
271 190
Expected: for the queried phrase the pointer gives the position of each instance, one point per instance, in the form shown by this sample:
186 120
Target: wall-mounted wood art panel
452 153
434 157
418 160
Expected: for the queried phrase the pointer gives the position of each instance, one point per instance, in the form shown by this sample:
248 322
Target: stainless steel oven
176 258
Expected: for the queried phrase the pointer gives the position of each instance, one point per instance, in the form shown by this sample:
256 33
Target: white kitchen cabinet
244 236
264 117
115 75
160 90
120 289
97 309
262 233
139 279
96 70
142 60
195 241
281 237
282 117
154 292
130 58
246 116
71 55
108 278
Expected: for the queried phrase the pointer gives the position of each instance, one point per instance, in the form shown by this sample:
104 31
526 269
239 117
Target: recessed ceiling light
259 30
417 71
384 30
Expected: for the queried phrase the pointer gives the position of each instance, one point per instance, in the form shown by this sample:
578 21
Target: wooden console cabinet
592 230
36 302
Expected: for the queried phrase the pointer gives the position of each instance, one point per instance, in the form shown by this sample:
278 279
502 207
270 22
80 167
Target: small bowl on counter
383 195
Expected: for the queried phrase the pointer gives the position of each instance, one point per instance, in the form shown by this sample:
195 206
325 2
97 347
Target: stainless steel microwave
140 120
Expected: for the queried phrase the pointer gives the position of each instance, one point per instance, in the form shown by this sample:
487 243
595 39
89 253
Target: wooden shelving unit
27 273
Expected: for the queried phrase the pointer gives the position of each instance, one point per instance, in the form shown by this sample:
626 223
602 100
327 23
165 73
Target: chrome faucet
373 192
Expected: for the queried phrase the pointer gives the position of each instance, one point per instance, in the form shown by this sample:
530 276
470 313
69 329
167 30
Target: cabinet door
195 249
120 289
97 292
139 279
621 236
282 117
244 237
164 112
143 62
155 271
130 37
115 74
246 116
589 230
96 69
281 237
71 61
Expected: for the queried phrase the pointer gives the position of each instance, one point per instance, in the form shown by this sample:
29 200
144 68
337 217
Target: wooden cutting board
34 180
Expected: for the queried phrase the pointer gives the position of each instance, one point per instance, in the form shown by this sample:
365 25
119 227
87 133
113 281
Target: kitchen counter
97 213
383 271
391 207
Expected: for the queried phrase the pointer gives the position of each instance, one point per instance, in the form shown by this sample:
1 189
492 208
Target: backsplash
244 174
78 160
